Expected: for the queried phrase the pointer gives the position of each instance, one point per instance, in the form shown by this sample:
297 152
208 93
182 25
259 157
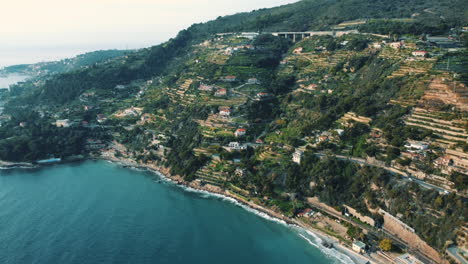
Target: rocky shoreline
165 172
13 165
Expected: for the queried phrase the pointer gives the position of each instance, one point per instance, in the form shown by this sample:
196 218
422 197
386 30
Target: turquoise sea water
97 212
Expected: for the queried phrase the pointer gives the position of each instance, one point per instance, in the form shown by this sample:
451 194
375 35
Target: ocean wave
210 195
310 237
17 167
332 253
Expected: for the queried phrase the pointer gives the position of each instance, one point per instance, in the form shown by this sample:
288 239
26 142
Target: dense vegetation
355 78
301 16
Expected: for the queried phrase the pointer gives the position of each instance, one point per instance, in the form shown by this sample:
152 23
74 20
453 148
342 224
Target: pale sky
117 23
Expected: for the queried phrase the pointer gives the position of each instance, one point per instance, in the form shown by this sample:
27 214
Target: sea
16 55
99 212
10 79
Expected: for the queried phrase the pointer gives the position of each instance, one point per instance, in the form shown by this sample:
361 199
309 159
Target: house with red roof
224 111
240 132
262 95
221 92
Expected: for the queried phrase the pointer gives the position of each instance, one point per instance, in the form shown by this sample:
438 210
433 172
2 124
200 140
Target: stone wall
362 218
406 233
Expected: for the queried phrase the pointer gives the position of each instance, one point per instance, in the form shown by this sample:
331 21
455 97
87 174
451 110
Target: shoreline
214 191
5 165
290 222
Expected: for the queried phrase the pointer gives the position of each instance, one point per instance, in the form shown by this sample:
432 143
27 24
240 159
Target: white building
416 145
239 172
297 156
224 111
237 146
63 123
253 81
359 247
340 132
249 35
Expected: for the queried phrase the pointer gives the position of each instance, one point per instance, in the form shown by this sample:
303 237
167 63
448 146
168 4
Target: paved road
457 253
378 233
406 176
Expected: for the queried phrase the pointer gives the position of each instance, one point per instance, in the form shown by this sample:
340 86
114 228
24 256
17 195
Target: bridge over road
296 36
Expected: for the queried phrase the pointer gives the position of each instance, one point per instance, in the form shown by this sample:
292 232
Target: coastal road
406 176
377 233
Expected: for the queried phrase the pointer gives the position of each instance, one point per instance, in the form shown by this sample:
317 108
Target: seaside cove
99 212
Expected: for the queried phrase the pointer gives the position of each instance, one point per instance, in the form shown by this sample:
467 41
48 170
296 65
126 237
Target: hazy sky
117 23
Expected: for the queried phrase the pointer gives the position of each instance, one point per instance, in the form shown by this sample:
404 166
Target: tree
460 180
438 202
385 244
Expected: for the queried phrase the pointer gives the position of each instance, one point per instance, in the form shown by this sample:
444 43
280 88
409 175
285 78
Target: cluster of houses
233 146
452 160
330 135
415 150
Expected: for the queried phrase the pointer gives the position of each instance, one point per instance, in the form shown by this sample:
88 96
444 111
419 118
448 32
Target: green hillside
374 119
65 65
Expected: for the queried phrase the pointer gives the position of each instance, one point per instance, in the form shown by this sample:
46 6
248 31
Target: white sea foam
17 167
332 253
310 237
209 195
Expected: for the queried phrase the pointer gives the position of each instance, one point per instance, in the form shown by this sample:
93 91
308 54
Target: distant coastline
11 79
